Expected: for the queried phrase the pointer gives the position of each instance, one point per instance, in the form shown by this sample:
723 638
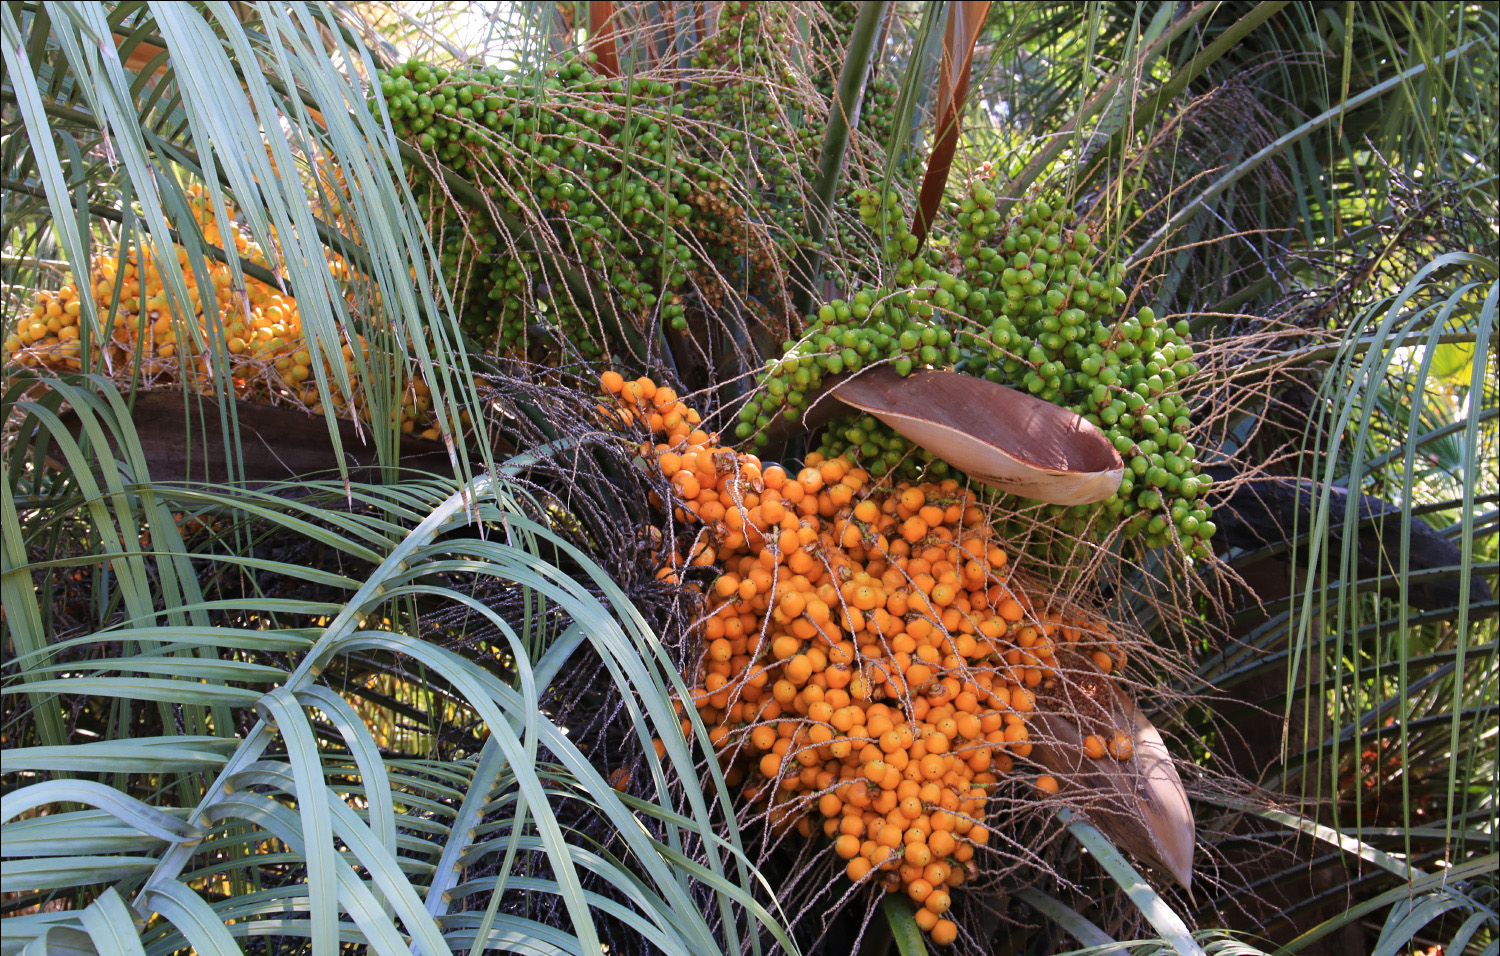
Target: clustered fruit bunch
1026 302
870 664
600 175
639 184
258 333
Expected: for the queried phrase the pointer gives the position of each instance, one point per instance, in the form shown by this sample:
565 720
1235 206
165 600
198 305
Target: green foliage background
255 738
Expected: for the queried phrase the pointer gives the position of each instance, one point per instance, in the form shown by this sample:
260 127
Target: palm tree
285 683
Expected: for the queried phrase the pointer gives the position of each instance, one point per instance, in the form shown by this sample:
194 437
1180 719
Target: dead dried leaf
965 20
1139 802
280 444
994 434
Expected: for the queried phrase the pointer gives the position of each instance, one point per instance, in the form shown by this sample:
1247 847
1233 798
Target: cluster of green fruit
1029 303
593 156
639 183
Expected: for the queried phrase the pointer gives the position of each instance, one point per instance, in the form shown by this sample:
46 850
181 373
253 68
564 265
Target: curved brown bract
996 435
965 21
279 443
1138 802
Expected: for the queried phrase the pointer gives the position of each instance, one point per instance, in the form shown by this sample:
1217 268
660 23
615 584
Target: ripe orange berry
1047 784
941 843
798 669
968 724
936 873
784 691
762 737
938 901
944 932
770 766
919 889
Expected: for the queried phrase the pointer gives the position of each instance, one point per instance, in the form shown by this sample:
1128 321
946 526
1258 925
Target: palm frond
198 117
298 770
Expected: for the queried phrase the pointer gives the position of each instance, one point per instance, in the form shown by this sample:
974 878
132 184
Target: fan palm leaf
290 778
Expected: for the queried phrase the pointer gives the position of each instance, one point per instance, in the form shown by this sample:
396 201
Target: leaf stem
843 119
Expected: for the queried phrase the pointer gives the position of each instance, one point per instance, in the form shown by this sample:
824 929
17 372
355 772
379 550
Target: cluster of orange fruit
868 661
259 333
